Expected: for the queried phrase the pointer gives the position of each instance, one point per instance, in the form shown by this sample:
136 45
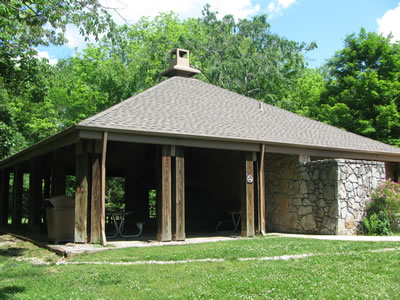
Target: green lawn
336 270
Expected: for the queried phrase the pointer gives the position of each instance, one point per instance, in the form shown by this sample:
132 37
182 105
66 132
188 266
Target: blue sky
326 22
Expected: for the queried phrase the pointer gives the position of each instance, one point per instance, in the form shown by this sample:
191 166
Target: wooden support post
173 194
103 189
35 195
164 218
4 195
248 200
95 203
179 228
81 193
261 198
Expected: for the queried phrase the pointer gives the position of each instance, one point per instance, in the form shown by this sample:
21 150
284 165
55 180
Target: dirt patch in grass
19 250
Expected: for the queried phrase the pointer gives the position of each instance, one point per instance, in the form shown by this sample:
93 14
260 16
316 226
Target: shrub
383 212
377 224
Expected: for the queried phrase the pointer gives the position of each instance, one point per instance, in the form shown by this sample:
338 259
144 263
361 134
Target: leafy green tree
144 47
25 115
107 73
363 94
87 84
245 57
6 125
28 24
305 98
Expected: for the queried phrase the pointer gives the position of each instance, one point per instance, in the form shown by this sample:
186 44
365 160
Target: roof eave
74 133
204 141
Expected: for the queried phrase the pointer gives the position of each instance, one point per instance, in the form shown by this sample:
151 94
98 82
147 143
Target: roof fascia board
131 137
167 140
64 138
73 134
331 153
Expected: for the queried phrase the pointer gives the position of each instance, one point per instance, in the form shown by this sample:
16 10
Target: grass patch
11 247
340 270
234 249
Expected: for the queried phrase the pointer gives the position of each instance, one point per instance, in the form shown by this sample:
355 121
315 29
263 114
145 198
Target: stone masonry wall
357 179
315 197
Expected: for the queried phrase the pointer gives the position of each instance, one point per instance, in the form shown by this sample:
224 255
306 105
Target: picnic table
117 218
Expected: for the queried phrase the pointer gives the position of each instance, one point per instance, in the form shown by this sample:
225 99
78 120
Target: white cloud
76 40
132 11
276 7
390 23
286 3
45 54
73 37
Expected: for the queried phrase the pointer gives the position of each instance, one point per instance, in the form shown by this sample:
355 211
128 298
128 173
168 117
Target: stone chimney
179 64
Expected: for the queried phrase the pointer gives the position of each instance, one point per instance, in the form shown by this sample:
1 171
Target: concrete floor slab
71 249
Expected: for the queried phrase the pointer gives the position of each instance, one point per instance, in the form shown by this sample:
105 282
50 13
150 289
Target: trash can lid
61 201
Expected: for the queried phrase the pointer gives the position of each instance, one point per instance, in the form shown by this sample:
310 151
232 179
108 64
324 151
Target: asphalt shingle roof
190 107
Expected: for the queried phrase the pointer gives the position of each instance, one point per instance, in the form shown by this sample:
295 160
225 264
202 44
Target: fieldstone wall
319 197
356 181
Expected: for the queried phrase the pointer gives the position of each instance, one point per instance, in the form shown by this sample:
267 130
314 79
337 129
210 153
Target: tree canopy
28 24
363 93
25 25
245 57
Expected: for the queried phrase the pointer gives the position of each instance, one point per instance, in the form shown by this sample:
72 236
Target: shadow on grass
12 252
8 292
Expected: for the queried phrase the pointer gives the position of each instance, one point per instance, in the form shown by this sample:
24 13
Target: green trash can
60 215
